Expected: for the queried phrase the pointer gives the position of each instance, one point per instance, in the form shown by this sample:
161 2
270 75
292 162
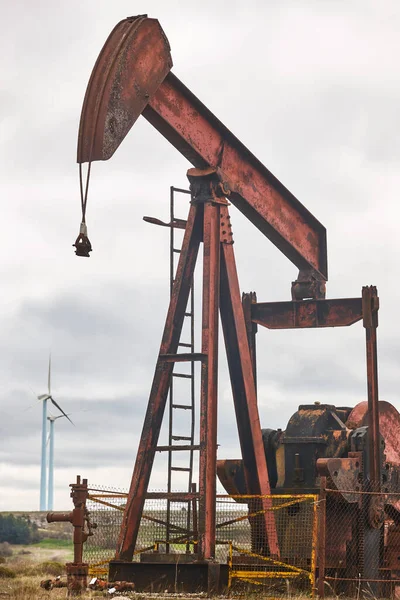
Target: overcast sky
312 88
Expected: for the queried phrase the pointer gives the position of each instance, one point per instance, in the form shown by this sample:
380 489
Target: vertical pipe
50 491
373 406
322 538
370 305
43 457
209 380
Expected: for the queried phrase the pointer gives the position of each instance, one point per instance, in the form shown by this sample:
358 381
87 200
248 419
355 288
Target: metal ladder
188 347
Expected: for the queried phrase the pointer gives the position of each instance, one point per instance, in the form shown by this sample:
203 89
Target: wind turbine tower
43 398
50 487
43 463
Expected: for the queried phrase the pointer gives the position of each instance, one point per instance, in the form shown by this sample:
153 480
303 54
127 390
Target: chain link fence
106 506
359 553
248 529
245 526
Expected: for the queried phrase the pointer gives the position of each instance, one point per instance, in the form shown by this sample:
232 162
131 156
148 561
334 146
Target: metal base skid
174 573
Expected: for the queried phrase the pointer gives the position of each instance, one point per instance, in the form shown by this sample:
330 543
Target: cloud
311 88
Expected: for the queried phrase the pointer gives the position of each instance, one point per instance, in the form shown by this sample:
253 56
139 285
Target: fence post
322 538
314 544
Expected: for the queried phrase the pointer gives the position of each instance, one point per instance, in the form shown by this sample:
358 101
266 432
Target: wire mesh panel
362 544
241 532
105 506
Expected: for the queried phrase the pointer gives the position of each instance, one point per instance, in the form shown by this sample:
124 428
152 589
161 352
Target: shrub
2 560
5 549
6 573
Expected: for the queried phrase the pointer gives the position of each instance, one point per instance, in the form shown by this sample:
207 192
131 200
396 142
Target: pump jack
132 76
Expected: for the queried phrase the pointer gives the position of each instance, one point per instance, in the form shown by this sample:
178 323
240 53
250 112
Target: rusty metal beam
243 387
251 328
370 302
307 313
189 126
209 382
132 77
159 391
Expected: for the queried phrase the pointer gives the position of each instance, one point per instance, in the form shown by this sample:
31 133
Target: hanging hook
82 244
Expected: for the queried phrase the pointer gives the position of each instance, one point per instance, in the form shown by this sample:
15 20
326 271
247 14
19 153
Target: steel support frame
208 221
335 313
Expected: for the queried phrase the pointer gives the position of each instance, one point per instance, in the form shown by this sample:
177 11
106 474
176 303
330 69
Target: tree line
18 530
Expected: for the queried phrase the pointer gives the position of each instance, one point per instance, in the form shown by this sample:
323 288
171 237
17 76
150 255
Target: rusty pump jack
132 77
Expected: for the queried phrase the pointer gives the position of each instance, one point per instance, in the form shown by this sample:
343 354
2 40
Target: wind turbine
44 398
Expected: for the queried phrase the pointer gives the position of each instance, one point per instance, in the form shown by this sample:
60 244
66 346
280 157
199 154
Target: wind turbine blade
61 410
49 377
61 416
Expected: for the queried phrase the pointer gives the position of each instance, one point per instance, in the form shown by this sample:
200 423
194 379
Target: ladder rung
182 375
179 448
183 406
186 469
182 357
178 438
188 314
176 250
185 345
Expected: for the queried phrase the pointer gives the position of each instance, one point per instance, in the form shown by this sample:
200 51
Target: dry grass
33 563
26 587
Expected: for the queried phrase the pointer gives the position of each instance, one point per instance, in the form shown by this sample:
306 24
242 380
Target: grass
46 559
53 544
